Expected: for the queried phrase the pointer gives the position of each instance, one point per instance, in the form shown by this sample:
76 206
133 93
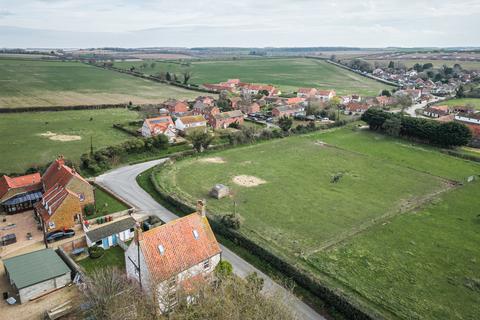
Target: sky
244 23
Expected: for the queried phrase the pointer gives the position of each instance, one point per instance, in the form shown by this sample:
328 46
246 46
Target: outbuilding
108 235
220 191
34 274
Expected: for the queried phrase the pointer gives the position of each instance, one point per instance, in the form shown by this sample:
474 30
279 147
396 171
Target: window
172 283
195 233
98 243
161 249
206 264
81 196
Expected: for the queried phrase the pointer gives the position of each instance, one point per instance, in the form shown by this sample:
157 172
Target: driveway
122 182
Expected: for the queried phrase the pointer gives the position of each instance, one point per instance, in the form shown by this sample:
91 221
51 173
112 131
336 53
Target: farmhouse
257 88
306 93
19 193
189 123
66 194
436 111
108 236
288 111
159 125
36 273
224 119
167 258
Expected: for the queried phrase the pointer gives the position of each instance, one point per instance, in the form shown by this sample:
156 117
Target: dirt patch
320 143
248 181
212 160
60 137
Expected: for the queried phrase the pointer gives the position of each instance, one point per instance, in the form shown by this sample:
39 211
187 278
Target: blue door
114 240
105 243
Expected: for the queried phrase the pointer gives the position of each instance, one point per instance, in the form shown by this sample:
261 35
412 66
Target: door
105 243
114 240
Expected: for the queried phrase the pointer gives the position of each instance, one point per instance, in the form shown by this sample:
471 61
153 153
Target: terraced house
66 195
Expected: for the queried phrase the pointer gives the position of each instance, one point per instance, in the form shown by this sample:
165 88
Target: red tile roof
159 124
295 100
30 180
181 248
59 173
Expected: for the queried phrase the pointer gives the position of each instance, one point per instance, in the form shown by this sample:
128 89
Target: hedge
306 279
64 108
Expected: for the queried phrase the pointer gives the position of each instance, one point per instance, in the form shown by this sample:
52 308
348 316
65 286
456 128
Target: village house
288 111
206 110
355 98
384 101
66 195
172 258
18 194
325 95
159 125
250 108
225 119
356 108
257 88
110 234
293 101
176 107
306 93
436 111
34 274
189 123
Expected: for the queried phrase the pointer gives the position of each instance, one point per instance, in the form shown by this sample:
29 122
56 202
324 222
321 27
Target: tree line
448 134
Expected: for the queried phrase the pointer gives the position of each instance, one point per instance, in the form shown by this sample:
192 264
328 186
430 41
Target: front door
114 240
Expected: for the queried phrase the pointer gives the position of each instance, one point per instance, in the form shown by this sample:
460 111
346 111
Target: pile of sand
212 160
60 137
248 181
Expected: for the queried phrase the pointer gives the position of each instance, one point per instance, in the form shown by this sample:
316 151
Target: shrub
232 221
89 209
95 252
223 269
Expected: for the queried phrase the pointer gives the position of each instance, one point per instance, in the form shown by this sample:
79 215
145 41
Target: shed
107 236
36 273
220 191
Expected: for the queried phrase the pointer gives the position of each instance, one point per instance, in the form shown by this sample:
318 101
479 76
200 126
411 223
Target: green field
22 144
474 102
25 83
468 65
289 74
301 215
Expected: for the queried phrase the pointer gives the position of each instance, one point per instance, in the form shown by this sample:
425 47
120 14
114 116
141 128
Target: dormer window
81 196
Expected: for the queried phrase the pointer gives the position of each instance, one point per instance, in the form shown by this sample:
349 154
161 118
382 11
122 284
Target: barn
34 274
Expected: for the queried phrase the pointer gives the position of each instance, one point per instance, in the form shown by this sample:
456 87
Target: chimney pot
201 207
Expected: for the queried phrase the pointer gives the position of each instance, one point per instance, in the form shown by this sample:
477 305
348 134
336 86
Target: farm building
172 256
220 191
107 236
189 123
19 193
436 111
36 273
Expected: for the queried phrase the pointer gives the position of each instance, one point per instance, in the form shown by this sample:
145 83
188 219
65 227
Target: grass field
474 102
289 74
22 144
25 83
106 204
300 214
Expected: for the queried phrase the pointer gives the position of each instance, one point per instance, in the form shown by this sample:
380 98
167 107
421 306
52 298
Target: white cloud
248 22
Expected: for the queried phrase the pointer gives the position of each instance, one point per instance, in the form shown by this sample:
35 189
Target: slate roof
229 114
111 228
35 267
185 242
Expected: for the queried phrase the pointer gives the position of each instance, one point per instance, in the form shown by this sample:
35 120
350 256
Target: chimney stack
138 233
201 207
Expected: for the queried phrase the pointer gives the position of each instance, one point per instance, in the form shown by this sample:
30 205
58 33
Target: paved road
411 110
123 183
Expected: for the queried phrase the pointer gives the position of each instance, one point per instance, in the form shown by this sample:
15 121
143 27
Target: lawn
474 102
289 73
22 144
106 204
301 215
113 257
25 83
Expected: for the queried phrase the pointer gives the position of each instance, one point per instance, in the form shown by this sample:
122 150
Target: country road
122 182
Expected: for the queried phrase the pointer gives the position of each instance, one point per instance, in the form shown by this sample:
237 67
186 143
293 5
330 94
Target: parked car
8 239
60 234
